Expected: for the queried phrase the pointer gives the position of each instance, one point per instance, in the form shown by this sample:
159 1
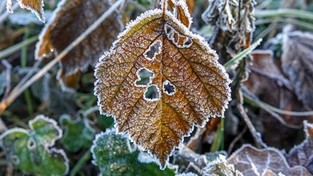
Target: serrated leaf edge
40 14
204 46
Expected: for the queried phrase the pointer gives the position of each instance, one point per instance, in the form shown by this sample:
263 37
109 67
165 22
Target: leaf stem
14 94
242 54
23 61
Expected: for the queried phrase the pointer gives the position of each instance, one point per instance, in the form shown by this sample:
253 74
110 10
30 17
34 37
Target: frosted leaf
181 11
297 63
69 20
254 162
35 6
178 39
78 133
185 60
302 154
29 150
111 153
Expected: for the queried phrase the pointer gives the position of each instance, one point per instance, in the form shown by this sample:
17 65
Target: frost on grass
35 6
30 150
155 121
111 153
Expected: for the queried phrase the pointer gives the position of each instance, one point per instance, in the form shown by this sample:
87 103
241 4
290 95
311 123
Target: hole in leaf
154 49
168 88
152 93
187 42
168 29
31 144
144 77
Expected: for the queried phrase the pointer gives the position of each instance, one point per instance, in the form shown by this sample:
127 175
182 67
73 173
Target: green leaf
77 133
144 2
29 150
113 154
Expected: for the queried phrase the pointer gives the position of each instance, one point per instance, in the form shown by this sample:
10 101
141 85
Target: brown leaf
267 82
190 4
297 63
254 162
35 6
181 11
71 19
303 153
185 85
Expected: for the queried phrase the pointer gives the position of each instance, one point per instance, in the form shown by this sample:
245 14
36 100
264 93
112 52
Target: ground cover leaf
297 63
114 156
303 154
29 150
35 6
187 85
77 133
70 19
254 162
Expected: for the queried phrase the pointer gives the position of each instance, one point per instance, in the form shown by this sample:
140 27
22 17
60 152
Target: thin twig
256 135
14 94
239 136
272 108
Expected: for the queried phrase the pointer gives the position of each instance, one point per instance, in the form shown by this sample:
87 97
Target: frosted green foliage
114 156
29 150
219 167
78 133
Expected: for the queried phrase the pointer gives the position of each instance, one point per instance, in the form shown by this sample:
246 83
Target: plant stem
302 24
242 54
284 13
23 64
266 106
14 48
80 163
14 94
